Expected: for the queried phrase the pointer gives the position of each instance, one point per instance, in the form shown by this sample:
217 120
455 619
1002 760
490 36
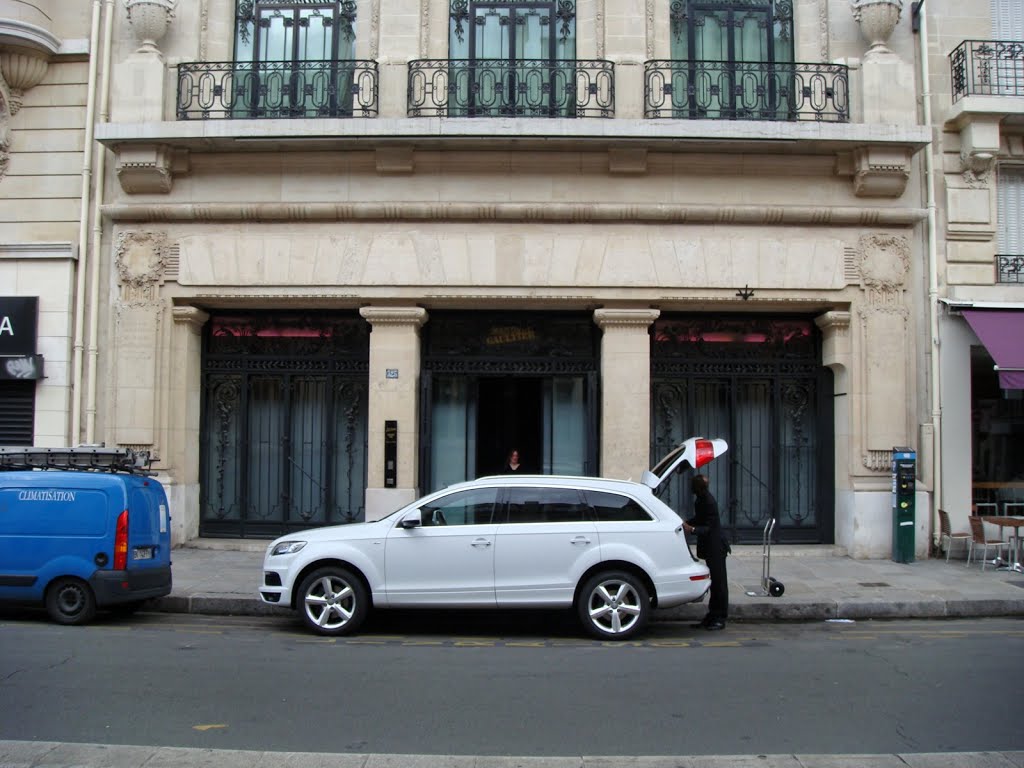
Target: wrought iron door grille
283 445
758 383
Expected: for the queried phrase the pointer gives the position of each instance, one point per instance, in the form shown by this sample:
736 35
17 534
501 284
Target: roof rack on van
97 459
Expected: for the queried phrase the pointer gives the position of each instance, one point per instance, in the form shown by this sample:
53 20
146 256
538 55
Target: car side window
614 508
546 505
472 507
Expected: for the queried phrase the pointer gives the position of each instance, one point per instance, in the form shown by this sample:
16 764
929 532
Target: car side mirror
413 520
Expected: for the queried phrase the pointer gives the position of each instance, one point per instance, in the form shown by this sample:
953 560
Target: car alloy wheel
334 601
614 605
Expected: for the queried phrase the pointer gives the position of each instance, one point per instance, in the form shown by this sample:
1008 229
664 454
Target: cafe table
1015 522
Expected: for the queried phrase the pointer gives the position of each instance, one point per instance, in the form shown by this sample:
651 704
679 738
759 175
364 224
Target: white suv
608 548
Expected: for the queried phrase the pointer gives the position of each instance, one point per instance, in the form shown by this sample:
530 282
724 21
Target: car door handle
581 540
481 542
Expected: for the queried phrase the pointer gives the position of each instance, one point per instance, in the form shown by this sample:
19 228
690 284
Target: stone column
181 456
625 390
393 395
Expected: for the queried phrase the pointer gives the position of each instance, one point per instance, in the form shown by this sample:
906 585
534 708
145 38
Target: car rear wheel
70 601
333 601
613 605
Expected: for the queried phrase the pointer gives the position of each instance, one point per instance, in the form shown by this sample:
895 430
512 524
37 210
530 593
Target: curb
209 605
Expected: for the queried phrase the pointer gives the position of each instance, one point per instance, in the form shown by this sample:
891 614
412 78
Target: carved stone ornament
884 261
5 128
877 20
140 258
149 20
149 169
880 171
21 70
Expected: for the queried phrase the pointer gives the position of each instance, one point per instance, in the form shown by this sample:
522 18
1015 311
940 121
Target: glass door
511 50
740 58
288 57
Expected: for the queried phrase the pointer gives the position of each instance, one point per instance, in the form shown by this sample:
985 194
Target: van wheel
333 601
70 601
613 605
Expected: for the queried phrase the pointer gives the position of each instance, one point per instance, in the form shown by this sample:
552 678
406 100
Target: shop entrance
491 383
511 417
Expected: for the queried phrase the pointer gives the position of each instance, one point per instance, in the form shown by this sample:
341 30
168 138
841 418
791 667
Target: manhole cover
873 584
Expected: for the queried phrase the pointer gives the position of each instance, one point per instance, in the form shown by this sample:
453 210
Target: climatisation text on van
46 495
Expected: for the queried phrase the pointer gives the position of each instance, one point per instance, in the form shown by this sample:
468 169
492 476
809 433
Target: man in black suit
712 548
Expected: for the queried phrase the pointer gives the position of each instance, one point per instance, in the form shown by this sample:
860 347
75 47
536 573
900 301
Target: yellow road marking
208 727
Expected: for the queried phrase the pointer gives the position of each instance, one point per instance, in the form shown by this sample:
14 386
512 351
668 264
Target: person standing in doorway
712 548
512 465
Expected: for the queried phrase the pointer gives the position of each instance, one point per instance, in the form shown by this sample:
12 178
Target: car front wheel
333 601
613 605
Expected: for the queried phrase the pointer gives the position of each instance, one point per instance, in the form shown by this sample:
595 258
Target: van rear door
149 534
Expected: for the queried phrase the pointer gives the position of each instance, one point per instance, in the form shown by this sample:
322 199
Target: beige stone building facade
350 252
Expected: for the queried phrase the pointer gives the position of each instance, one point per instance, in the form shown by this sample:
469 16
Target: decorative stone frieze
623 161
149 169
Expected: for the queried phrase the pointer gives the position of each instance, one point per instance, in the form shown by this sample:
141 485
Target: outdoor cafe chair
978 539
946 533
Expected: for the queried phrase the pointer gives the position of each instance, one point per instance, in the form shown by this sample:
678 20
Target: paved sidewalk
210 578
40 754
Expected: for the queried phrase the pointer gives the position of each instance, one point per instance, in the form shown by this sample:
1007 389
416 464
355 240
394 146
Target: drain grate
873 584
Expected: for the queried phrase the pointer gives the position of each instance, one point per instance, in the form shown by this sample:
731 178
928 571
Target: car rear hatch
692 453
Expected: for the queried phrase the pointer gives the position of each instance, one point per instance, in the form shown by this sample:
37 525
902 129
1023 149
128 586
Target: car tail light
121 542
700 577
705 451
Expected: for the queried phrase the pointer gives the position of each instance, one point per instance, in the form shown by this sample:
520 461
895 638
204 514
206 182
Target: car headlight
288 547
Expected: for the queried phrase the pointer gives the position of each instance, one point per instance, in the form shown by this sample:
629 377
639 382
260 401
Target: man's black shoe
712 625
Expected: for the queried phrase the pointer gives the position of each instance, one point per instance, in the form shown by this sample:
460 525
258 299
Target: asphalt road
514 685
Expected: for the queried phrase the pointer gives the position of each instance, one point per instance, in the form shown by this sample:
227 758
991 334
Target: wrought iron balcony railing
1009 269
502 88
277 89
987 68
722 90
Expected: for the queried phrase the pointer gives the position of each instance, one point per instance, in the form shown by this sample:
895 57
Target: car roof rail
90 458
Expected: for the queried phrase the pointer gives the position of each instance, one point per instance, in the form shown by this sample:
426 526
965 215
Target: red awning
1002 333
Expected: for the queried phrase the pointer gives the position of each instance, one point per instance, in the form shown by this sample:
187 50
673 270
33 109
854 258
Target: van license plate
142 553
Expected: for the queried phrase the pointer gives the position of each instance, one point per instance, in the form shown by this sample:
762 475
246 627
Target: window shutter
17 412
1010 193
1007 19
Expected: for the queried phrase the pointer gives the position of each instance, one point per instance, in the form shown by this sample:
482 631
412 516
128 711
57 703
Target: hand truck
769 584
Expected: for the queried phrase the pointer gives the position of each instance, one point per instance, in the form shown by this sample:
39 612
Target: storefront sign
18 325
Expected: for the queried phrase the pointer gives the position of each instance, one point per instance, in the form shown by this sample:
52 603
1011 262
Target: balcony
1009 269
276 89
719 90
987 68
502 88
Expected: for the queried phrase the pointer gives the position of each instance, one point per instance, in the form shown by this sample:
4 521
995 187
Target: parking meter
904 478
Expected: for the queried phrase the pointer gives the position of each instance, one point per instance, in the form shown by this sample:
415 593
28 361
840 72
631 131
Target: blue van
82 529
